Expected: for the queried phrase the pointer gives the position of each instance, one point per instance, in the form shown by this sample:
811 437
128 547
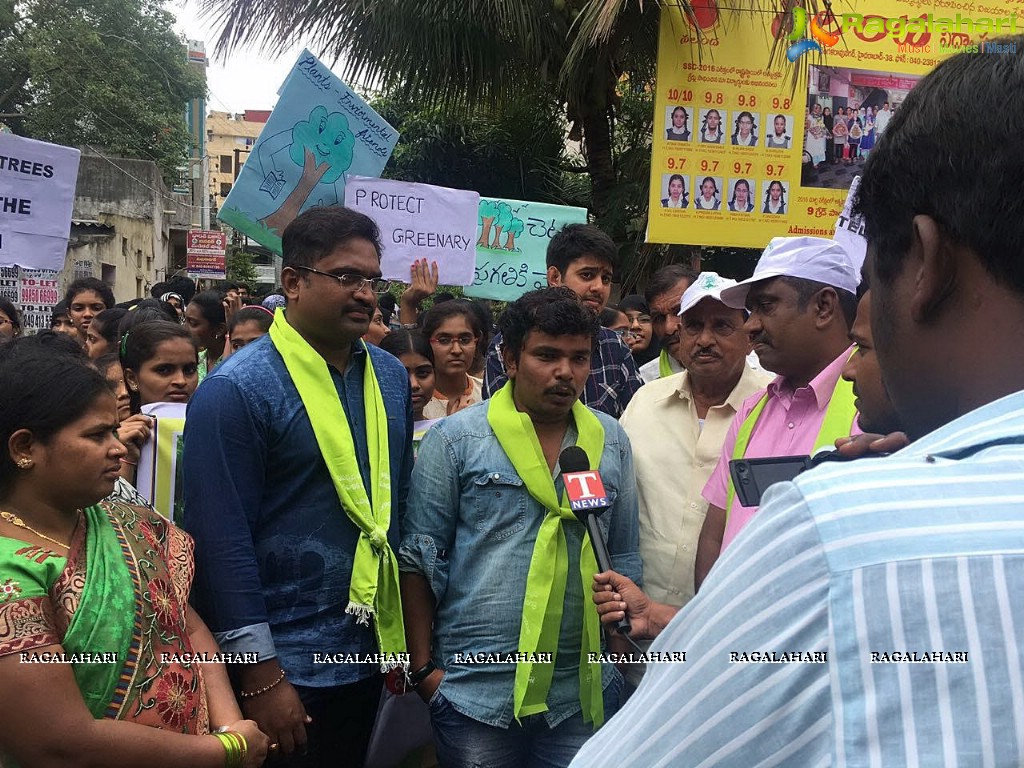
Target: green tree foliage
239 267
513 151
110 74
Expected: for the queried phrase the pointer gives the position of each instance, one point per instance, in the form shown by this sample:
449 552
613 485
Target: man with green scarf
503 641
296 466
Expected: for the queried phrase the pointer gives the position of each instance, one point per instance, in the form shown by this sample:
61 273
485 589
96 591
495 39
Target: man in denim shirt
275 547
471 538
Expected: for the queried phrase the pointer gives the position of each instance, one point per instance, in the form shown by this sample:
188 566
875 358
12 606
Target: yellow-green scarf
546 580
664 366
373 592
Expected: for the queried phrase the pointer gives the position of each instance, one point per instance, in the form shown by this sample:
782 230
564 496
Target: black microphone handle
604 562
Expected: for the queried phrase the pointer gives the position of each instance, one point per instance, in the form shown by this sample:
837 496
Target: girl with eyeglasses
454 330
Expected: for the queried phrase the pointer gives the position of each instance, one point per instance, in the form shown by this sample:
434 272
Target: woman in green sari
99 649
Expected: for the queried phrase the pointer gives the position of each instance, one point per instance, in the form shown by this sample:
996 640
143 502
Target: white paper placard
37 193
420 221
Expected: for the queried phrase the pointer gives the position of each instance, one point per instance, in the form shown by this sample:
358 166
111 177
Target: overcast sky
248 79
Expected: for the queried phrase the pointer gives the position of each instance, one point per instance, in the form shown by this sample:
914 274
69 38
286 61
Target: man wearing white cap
802 301
677 426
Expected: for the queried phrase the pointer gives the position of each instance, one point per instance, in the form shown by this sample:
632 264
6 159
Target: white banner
420 221
37 192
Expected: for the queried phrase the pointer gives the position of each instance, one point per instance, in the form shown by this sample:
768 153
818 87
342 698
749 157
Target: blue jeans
463 742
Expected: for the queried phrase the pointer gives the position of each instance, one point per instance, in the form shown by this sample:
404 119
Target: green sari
116 604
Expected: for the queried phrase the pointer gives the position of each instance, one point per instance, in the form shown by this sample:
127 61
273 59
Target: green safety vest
838 422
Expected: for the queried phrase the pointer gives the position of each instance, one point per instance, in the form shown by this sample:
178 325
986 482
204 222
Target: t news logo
585 491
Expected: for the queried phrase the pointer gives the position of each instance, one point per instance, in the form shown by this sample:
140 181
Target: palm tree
461 52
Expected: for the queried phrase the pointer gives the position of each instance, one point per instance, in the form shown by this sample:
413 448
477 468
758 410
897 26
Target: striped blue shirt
890 558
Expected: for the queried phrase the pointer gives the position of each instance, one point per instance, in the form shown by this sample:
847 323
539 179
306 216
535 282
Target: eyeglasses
445 340
720 328
354 282
5 321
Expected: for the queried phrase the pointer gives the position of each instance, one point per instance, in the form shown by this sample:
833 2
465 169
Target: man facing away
583 258
802 300
904 570
494 564
297 460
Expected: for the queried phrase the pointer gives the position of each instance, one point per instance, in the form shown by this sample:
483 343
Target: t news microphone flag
587 498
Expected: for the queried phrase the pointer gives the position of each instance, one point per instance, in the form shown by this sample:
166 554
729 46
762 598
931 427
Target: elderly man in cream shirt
677 426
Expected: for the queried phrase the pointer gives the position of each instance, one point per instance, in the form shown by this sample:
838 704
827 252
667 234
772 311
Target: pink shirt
788 426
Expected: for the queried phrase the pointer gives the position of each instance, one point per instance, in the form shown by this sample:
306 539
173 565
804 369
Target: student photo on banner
675 191
677 123
708 196
711 129
774 197
745 126
741 197
778 132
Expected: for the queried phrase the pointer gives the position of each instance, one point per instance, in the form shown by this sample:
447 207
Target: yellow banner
740 158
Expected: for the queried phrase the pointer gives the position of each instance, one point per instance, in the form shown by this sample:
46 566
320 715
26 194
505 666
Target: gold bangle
261 691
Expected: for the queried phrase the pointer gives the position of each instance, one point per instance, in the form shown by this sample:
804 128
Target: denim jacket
470 528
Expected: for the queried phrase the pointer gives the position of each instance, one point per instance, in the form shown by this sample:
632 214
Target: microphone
587 500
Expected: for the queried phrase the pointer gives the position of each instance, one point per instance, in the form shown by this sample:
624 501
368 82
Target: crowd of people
375 551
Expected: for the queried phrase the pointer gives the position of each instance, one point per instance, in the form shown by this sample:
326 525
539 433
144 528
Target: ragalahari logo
817 27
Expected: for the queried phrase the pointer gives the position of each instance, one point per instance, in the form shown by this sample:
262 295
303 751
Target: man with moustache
681 421
664 292
802 301
583 258
494 563
296 467
875 411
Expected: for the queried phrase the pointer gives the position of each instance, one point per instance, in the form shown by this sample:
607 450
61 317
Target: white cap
812 258
708 285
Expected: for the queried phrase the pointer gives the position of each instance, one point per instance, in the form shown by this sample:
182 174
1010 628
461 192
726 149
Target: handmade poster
37 193
512 244
419 221
739 157
319 131
159 475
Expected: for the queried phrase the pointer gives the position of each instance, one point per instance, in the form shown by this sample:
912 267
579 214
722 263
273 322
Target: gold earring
133 387
25 463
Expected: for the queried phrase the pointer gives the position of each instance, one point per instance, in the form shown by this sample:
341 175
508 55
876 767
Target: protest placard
159 475
319 131
420 221
37 192
512 244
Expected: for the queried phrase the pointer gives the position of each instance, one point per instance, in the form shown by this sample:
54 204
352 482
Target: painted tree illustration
488 212
503 219
511 231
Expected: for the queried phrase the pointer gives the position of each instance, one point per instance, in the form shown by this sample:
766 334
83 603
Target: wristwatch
421 674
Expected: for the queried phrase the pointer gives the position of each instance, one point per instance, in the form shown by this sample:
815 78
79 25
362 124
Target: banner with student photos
738 157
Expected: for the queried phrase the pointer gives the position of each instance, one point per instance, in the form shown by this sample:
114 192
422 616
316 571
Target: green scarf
546 580
105 617
664 366
373 592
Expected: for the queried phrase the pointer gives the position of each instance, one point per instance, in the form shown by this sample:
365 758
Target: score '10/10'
717 98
